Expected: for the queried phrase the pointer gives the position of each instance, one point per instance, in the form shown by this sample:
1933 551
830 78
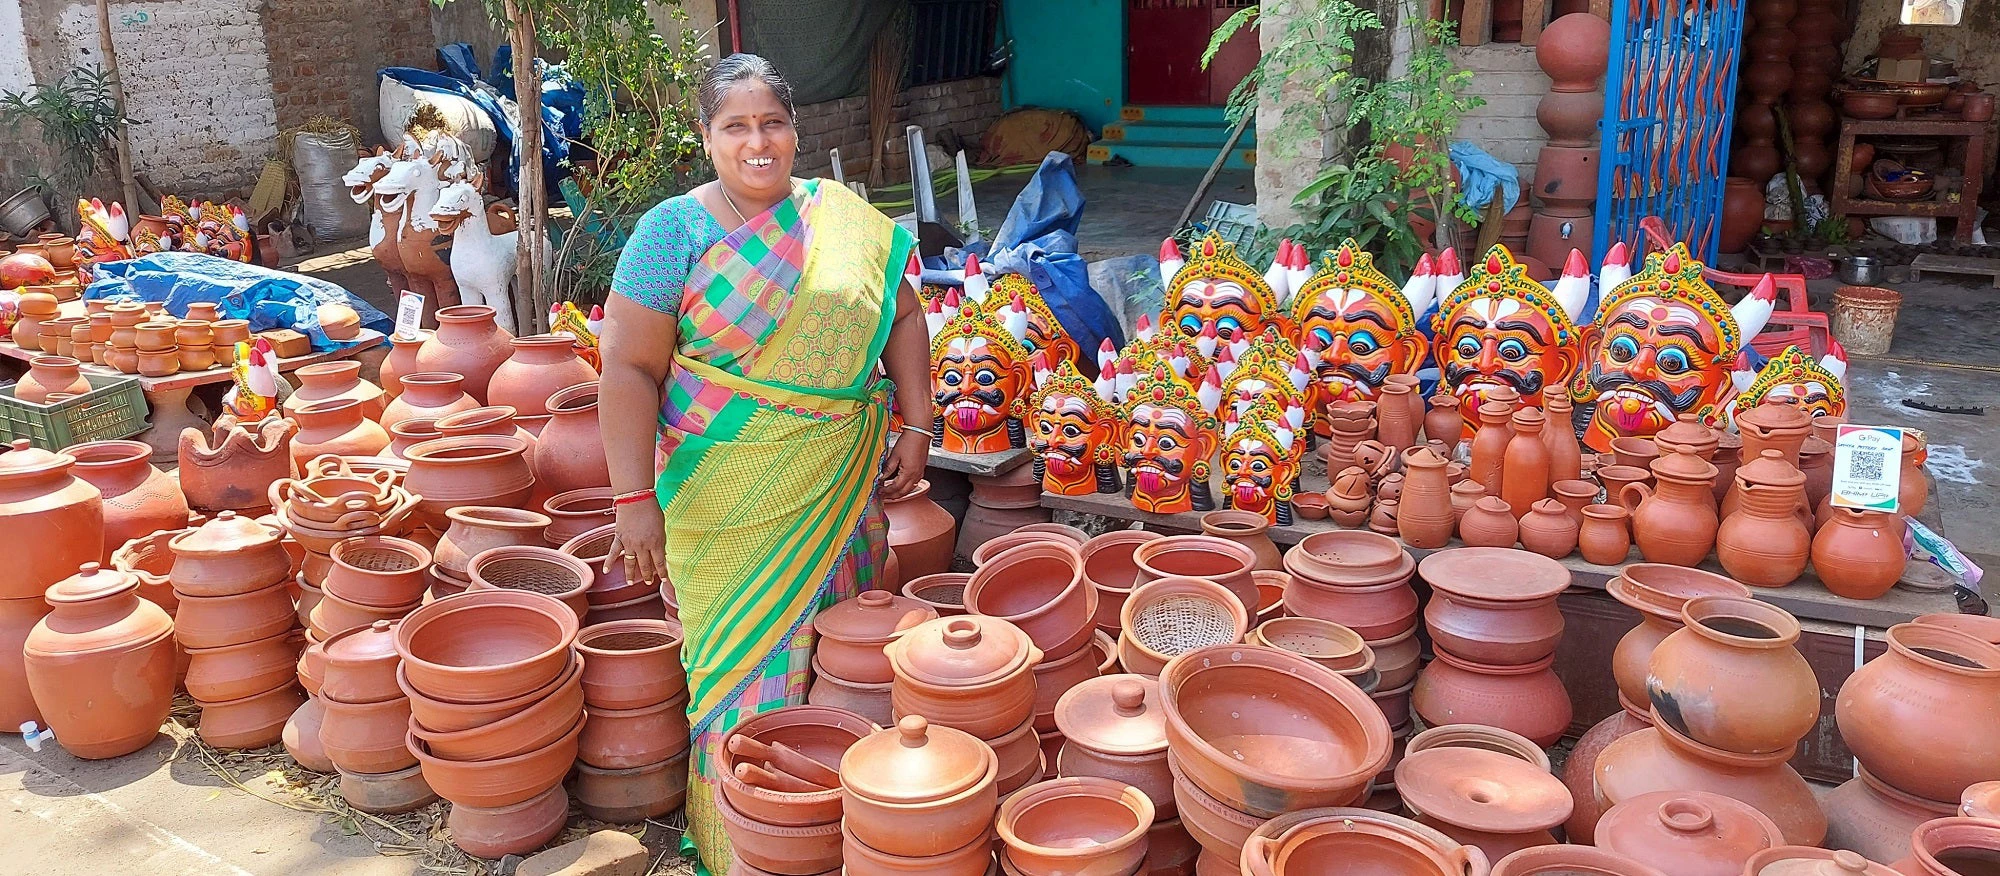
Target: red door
1163 44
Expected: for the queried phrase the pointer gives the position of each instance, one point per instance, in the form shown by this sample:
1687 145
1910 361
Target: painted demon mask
1500 328
1793 377
1214 298
1361 326
1167 435
979 372
1071 423
1262 446
1045 333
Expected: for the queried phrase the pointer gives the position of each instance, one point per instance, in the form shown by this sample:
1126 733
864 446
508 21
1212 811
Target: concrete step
1210 115
1175 134
1170 156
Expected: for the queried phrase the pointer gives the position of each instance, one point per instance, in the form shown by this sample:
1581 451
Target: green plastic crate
113 408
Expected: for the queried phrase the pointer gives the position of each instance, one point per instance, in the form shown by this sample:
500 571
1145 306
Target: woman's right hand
641 541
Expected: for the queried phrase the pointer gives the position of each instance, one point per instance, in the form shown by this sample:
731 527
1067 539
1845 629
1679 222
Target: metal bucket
23 212
1861 270
1864 318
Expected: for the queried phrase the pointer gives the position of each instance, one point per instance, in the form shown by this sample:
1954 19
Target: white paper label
409 316
1867 467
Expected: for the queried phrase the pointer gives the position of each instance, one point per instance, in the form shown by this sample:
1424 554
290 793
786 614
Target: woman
750 324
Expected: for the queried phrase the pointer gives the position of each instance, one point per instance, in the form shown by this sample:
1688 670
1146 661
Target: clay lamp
1703 834
775 741
1494 605
631 663
1075 825
1115 729
1039 587
1570 860
1362 840
1810 861
1267 731
852 633
972 673
228 555
486 646
918 789
359 665
1495 801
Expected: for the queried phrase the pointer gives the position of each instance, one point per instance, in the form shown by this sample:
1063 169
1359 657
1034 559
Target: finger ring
631 556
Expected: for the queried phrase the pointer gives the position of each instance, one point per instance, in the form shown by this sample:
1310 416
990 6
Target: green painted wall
1068 54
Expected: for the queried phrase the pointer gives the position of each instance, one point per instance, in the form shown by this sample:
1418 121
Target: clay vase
50 374
467 342
428 394
1859 554
537 367
1871 819
327 381
1603 538
1524 478
1775 425
139 499
1548 530
44 504
1251 531
921 533
1659 759
467 470
1489 445
336 426
101 664
1926 674
1423 513
1674 522
1394 426
1695 833
1914 488
1527 699
402 359
1732 677
1443 422
1742 213
570 451
1489 523
1559 434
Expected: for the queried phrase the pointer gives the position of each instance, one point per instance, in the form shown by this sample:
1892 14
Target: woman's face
752 141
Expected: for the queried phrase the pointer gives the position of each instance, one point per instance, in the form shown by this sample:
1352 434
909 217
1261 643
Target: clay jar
50 374
1764 543
101 664
1113 728
1528 699
1603 538
402 359
853 632
1674 522
1489 523
535 369
1246 529
467 470
1549 530
1201 556
1494 605
918 789
228 555
335 426
971 673
1423 515
336 380
361 664
1110 568
469 343
1859 554
1039 588
1524 479
1919 716
1659 593
1731 677
1071 825
570 452
1489 444
1774 425
1495 801
428 394
1443 422
1658 759
139 499
43 503
1696 833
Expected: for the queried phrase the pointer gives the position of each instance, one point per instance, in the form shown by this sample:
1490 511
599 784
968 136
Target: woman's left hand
905 466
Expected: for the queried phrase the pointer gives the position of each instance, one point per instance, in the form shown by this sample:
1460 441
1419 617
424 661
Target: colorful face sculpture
1793 377
1215 299
1362 326
1261 449
1664 345
979 372
1167 434
1070 426
1044 331
1499 328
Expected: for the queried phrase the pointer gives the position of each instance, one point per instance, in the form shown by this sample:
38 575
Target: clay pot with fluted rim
1201 556
536 367
1657 758
1927 671
570 452
228 555
1075 824
970 673
1697 833
467 342
1111 569
139 500
918 789
45 504
1039 588
467 470
1675 521
1859 554
1497 802
335 380
1494 605
1731 677
432 394
1366 842
1528 698
100 665
359 664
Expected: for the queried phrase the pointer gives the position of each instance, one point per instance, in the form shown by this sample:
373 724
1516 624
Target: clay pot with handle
1424 515
1675 521
1763 543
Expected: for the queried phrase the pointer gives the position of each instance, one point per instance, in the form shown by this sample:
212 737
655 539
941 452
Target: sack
319 160
1024 136
465 119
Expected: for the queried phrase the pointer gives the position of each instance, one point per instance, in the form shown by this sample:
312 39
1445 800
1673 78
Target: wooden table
1971 157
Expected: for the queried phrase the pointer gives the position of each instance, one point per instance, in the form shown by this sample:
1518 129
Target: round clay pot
1494 801
252 722
1658 592
1676 521
1114 729
541 723
467 342
1926 672
518 829
1978 626
576 512
536 367
227 556
1603 538
139 500
634 795
1201 556
1742 205
1659 759
1549 530
389 793
1170 616
1037 587
621 739
1054 678
42 503
1951 847
216 621
409 433
301 737
1489 523
334 380
429 394
1364 841
631 663
970 673
50 374
1781 860
1527 699
367 737
1494 605
233 672
610 587
378 571
100 665
943 592
359 665
874 702
1859 554
486 646
467 470
1579 770
536 569
1110 568
1732 678
817 733
972 859
331 614
475 528
1568 860
1073 824
1702 834
1212 695
502 782
402 359
1397 659
918 789
570 452
1251 531
1020 754
489 420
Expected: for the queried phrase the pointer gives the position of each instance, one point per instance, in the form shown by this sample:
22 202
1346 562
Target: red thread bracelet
630 498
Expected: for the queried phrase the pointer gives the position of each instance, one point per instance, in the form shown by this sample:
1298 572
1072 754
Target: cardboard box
287 344
1904 69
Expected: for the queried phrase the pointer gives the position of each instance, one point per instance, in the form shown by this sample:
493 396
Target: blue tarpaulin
268 299
1485 177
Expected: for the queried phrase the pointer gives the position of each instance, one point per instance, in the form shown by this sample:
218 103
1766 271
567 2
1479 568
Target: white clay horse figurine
482 261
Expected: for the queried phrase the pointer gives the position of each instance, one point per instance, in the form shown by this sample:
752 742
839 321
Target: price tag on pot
1867 467
409 315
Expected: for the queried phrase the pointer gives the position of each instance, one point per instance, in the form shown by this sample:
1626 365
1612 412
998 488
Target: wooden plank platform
984 465
1944 264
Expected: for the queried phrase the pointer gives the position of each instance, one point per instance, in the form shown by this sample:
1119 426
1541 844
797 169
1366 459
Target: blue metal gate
1669 108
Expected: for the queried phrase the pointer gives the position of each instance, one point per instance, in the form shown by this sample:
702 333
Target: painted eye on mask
986 377
1259 466
1191 325
1325 337
1167 444
1362 343
1228 327
1513 350
1624 349
1674 361
953 378
1468 348
1070 430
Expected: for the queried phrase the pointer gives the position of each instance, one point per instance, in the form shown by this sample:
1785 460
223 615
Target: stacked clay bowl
849 662
780 780
632 757
364 716
1495 626
367 579
237 622
496 700
612 596
1361 581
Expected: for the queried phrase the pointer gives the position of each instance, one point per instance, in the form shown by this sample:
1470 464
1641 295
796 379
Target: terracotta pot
1332 741
1527 699
502 782
632 663
44 504
1489 523
1980 800
509 830
537 569
1251 531
138 499
1054 678
448 717
1423 515
619 739
817 733
536 367
1443 422
969 673
301 737
1377 611
1579 770
1324 642
1496 802
1731 677
1397 659
100 665
648 606
1778 426
570 455
410 433
162 363
153 337
1742 206
1568 860
486 646
1676 523
918 789
378 572
1659 759
50 374
943 592
402 359
215 621
251 722
1859 554
972 859
476 528
634 795
1762 541
1952 847
1494 605
228 555
332 614
1525 464
1978 626
197 334
1039 588
328 381
1635 451
467 342
1927 671
233 672
1200 556
612 587
1603 538
1270 595
576 512
1115 729
1915 485
1075 824
1701 834
490 420
1549 530
367 737
1780 860
467 470
359 665
1363 841
874 702
428 394
1111 569
1474 736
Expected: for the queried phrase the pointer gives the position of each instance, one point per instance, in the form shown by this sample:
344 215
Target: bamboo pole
126 181
529 270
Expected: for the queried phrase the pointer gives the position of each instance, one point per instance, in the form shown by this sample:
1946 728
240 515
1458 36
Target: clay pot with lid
360 664
1075 825
975 858
921 533
1251 531
918 789
1527 698
1490 524
853 632
1731 677
1494 605
1927 672
1201 556
1675 521
569 454
1039 588
228 555
1114 728
1365 842
1658 592
100 665
468 342
1657 758
970 673
1809 861
1549 530
430 394
1774 425
1110 567
1859 554
139 499
467 470
337 380
486 646
535 368
43 503
1692 833
1570 860
1494 801
236 671
1330 742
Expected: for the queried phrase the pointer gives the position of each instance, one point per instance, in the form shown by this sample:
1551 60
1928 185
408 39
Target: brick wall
1506 76
965 106
324 54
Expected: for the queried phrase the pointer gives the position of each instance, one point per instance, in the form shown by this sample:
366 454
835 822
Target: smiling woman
744 410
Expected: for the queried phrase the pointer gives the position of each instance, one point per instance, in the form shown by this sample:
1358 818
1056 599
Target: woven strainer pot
1170 616
534 568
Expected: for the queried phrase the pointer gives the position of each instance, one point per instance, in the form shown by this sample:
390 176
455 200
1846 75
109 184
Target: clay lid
916 762
1809 861
1423 457
1816 446
226 534
1775 416
1683 465
1494 573
1482 790
91 582
961 651
1687 431
1687 826
24 458
874 616
1114 714
1770 469
369 644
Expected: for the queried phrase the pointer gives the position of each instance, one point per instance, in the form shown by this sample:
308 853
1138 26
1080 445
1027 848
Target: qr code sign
1866 464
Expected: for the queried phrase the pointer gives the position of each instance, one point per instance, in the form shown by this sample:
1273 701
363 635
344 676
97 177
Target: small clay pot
634 795
466 470
817 733
1482 525
1485 738
1114 729
378 571
1527 699
388 793
332 614
971 673
972 859
621 739
1110 565
943 592
1063 825
1549 530
358 665
518 829
631 663
853 632
1494 605
1170 616
1201 556
155 337
1603 538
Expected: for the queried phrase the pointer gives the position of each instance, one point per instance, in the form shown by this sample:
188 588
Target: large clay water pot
337 426
17 618
1658 592
1658 759
469 343
101 664
537 367
1866 816
402 359
1919 716
1731 677
1859 554
570 450
139 499
236 471
1742 211
54 517
921 533
1674 521
334 380
428 394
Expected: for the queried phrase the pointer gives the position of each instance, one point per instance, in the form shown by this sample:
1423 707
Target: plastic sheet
268 299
